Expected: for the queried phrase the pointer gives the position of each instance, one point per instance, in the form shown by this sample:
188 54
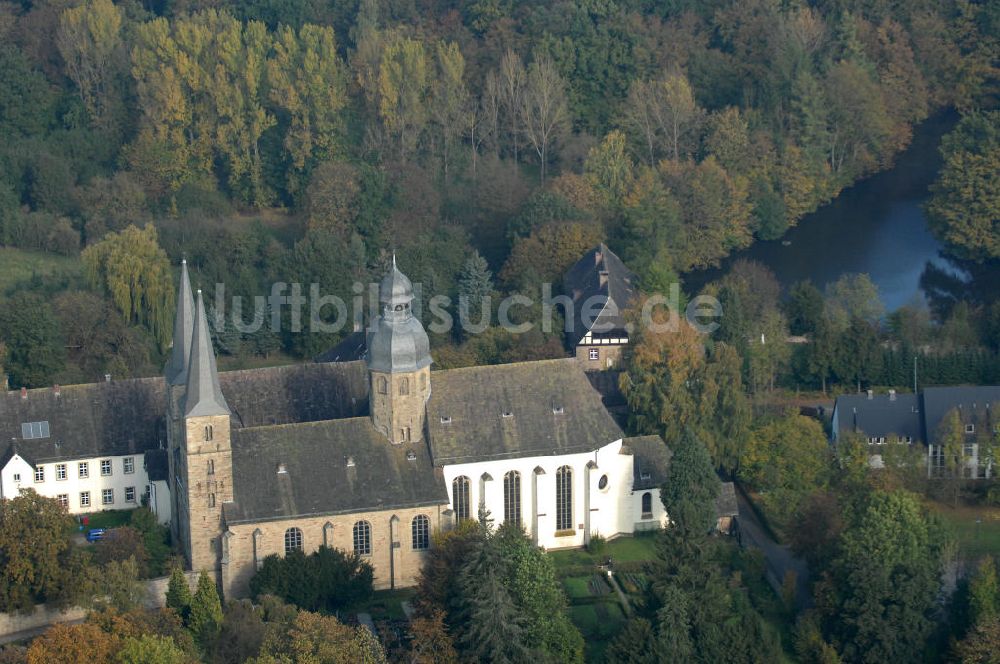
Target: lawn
977 529
107 519
621 550
388 604
19 265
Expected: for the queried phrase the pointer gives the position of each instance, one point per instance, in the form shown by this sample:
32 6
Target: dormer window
445 419
970 428
350 462
506 413
557 410
282 469
411 456
644 476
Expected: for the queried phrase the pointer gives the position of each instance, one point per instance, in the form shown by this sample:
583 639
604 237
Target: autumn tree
449 99
403 86
73 643
150 649
132 268
316 638
543 108
546 254
665 115
430 642
90 41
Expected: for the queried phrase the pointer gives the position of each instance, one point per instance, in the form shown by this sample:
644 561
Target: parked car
95 534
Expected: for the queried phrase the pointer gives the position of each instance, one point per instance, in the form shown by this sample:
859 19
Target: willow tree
132 268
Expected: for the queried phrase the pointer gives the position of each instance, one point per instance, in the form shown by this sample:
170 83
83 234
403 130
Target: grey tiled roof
583 281
180 354
466 422
651 458
880 415
971 400
203 396
96 419
317 479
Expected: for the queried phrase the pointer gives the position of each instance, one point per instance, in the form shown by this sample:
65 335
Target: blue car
95 534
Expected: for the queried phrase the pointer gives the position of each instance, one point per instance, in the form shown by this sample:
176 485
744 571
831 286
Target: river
877 227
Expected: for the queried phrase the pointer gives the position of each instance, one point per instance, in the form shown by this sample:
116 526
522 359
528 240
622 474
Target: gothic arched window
647 504
383 385
404 386
208 432
564 498
363 538
421 532
460 498
293 540
512 497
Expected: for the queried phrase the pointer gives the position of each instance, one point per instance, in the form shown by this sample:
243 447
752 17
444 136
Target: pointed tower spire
204 396
176 370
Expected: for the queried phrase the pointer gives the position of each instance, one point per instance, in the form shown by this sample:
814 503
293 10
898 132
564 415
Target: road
778 558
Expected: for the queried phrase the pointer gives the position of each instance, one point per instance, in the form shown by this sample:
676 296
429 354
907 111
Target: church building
371 456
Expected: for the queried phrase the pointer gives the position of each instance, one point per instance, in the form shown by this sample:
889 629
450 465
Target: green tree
119 585
905 575
150 649
403 85
984 593
690 490
178 592
965 207
34 547
313 638
853 296
475 283
205 616
132 268
35 350
449 99
90 42
543 108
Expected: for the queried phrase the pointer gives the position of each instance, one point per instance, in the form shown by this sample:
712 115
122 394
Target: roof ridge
77 386
279 367
550 360
288 425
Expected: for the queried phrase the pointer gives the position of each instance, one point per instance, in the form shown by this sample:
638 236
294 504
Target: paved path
778 558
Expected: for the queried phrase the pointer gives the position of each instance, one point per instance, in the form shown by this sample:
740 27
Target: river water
877 227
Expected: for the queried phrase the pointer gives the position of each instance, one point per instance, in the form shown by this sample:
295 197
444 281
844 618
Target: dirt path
778 558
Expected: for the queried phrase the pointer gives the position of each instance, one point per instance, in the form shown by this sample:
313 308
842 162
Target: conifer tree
205 617
178 592
474 284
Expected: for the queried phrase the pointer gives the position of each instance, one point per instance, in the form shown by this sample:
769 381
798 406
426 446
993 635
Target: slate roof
203 395
180 354
583 281
972 400
352 347
725 502
95 419
651 459
317 479
466 422
880 415
296 393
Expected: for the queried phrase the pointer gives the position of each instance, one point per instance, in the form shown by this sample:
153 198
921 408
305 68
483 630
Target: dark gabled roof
95 419
13 449
725 502
157 465
317 479
296 393
352 347
466 422
973 402
583 281
880 415
650 460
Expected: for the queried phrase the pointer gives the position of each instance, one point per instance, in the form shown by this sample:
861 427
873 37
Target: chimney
603 276
56 390
871 394
24 393
107 378
892 395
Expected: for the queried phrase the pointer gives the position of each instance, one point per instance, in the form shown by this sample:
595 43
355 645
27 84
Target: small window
130 494
293 540
421 532
208 432
84 499
40 474
404 386
63 499
60 471
105 467
128 465
363 538
211 500
595 353
17 477
84 469
383 385
211 466
108 497
970 428
647 505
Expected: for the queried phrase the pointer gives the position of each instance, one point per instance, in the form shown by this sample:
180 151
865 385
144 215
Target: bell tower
399 363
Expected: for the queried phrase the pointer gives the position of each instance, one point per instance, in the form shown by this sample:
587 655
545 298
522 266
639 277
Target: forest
487 144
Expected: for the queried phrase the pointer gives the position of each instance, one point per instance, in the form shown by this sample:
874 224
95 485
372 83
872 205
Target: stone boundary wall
43 616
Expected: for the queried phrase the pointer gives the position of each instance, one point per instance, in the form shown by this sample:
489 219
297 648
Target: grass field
622 550
387 604
977 529
18 266
107 519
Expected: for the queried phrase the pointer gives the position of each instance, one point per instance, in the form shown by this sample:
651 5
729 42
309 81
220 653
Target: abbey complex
371 456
